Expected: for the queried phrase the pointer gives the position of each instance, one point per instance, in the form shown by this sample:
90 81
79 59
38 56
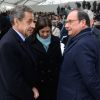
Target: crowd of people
47 56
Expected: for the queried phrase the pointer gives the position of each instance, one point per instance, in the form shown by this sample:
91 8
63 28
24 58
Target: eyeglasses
70 21
34 21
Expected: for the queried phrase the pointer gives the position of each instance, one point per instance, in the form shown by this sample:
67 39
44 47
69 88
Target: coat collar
23 44
73 40
15 35
34 42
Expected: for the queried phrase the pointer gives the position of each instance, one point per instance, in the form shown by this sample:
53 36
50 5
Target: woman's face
45 32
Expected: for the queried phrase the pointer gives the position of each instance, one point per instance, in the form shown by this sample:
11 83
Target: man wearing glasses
79 76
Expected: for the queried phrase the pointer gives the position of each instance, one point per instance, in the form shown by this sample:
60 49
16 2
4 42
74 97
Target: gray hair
90 13
19 12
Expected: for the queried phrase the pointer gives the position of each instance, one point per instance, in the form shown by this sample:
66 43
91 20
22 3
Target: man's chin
69 33
27 34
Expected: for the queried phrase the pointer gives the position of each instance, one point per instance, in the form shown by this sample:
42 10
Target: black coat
5 24
48 67
17 73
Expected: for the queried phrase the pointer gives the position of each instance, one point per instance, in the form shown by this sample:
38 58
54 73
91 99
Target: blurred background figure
5 24
93 23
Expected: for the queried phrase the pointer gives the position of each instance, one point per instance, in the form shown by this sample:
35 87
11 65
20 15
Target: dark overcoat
48 66
80 70
17 68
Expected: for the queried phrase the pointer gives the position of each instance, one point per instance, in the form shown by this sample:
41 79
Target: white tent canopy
8 4
36 2
61 1
18 2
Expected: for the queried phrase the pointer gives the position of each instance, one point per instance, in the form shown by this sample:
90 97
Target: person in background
95 30
17 65
55 29
58 10
80 71
46 48
5 24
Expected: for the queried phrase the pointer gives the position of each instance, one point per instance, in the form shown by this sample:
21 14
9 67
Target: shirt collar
20 34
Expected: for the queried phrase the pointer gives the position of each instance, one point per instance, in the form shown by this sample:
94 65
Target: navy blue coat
80 70
17 73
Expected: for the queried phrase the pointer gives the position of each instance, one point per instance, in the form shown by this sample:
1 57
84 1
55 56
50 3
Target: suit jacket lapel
67 48
28 51
24 45
70 45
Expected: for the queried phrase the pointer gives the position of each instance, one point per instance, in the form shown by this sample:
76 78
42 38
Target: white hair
90 13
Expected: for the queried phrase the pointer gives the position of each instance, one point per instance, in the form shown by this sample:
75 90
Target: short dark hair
83 15
19 12
42 21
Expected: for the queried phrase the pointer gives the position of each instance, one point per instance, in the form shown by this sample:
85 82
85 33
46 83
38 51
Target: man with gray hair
91 16
92 23
17 64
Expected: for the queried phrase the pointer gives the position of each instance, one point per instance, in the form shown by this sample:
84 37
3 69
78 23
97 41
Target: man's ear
16 21
91 23
83 23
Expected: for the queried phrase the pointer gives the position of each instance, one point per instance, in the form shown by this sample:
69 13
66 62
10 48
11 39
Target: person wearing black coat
46 48
17 64
5 24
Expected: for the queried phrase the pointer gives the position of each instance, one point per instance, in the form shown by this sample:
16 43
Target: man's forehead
72 14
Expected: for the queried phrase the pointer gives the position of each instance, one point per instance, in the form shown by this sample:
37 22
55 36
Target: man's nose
33 25
66 26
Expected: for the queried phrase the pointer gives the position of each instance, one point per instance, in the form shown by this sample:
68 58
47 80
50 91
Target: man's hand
36 92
